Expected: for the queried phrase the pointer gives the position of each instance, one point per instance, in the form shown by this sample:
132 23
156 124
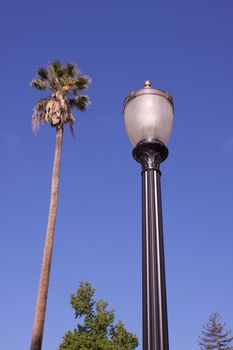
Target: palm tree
65 82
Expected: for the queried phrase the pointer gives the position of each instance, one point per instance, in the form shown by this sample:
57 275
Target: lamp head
148 114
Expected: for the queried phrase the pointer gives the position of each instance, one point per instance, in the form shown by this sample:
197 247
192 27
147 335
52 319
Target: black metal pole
155 326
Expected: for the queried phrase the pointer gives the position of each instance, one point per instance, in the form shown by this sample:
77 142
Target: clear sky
182 46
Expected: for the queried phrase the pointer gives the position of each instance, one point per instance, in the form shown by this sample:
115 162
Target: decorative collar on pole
150 153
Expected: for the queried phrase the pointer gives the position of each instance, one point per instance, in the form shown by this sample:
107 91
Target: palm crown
65 83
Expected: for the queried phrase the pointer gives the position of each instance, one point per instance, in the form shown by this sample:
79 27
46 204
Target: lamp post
148 115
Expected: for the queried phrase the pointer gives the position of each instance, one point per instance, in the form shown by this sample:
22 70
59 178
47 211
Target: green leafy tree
214 335
65 83
96 330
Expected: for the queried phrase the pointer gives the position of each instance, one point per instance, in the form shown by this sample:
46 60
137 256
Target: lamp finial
147 84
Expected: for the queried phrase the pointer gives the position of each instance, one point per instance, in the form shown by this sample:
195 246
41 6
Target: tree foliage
96 331
65 82
214 335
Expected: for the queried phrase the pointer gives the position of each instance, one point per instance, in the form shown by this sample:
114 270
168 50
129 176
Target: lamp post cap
147 84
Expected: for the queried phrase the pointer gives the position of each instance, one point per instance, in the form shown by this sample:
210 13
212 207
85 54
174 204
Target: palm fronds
39 84
66 82
70 69
80 102
41 104
39 114
43 73
57 66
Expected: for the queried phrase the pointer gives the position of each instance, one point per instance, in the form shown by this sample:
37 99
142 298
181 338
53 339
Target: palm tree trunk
37 334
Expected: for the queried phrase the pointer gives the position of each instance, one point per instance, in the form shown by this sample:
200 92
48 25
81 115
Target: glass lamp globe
148 115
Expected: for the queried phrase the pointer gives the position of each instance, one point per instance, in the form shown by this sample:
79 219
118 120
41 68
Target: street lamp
148 115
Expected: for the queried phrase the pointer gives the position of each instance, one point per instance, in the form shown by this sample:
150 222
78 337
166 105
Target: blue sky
184 47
